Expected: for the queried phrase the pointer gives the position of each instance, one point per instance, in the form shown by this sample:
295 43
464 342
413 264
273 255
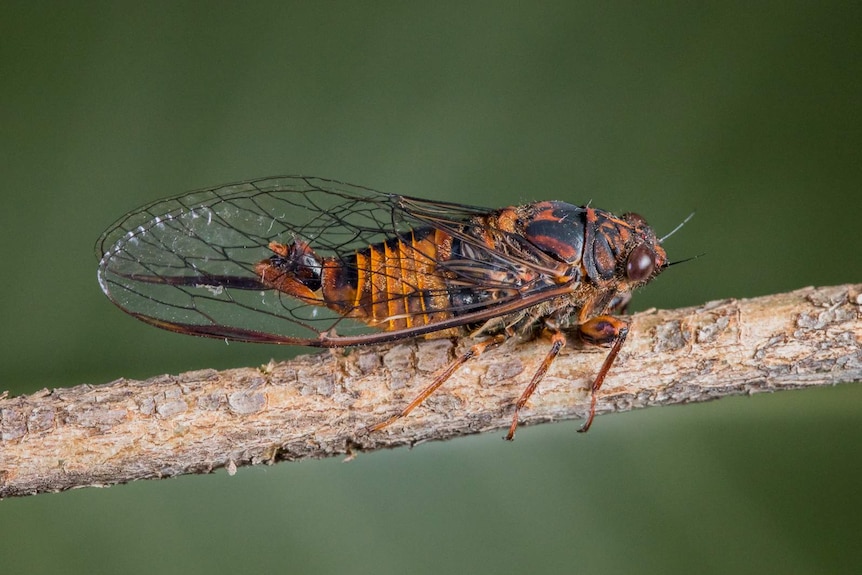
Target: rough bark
318 405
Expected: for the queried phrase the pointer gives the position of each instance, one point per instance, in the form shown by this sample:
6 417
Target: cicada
307 261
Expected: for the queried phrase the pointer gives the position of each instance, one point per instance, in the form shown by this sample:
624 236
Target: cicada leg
474 351
558 341
603 329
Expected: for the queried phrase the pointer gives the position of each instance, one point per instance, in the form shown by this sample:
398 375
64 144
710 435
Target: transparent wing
188 263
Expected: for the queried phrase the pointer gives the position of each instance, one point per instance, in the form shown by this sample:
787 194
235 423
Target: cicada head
624 253
644 257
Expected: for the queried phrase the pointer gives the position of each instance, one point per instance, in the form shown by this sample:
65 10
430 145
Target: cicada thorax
609 255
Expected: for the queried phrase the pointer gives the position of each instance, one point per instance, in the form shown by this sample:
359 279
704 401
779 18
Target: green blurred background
751 115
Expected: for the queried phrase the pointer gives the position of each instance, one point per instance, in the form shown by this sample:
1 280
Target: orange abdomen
393 285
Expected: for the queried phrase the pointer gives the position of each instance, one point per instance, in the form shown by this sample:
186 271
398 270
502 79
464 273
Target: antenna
676 229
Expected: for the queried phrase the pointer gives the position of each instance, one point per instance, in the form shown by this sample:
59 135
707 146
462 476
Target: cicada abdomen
394 285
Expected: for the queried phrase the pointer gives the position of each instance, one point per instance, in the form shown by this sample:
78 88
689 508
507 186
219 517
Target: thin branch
317 405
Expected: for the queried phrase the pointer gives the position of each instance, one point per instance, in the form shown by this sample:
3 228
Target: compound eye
640 264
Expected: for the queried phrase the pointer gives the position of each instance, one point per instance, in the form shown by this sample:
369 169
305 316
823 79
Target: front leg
602 330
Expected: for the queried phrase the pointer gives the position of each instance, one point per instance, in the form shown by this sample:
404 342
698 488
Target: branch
317 405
